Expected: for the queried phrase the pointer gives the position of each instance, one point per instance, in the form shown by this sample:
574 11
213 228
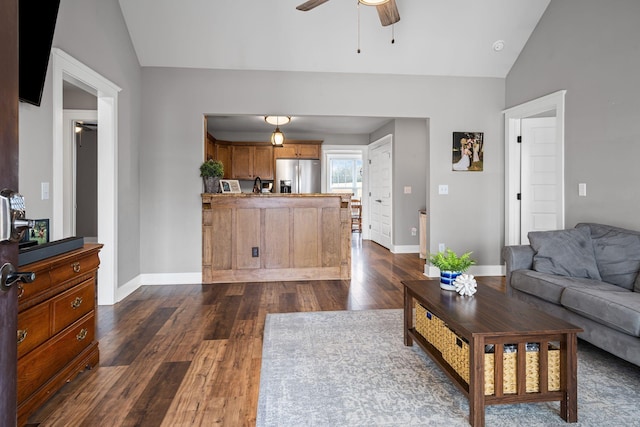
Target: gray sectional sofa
588 276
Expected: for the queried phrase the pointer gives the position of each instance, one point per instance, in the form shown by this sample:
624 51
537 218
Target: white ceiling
433 37
342 125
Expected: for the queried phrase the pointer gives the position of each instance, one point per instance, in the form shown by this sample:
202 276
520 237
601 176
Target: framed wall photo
468 151
230 186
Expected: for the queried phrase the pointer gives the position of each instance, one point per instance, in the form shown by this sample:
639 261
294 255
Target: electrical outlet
255 252
414 231
441 247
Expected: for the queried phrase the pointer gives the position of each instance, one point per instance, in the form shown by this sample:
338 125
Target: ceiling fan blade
388 13
308 5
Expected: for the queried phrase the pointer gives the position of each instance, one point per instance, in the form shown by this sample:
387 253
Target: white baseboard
157 279
476 270
127 289
171 279
405 249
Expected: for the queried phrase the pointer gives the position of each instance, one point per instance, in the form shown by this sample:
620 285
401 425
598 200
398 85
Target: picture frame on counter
230 186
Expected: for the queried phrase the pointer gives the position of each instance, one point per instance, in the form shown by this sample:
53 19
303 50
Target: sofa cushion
617 253
619 310
564 252
550 287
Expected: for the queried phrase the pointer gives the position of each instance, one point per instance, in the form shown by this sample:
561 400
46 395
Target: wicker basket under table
455 350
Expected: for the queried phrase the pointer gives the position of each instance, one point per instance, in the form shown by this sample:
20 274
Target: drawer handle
76 302
82 335
22 335
20 290
76 267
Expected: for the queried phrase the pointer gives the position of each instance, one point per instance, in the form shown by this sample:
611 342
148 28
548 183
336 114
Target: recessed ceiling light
498 45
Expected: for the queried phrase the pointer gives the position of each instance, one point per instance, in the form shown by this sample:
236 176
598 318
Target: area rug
351 368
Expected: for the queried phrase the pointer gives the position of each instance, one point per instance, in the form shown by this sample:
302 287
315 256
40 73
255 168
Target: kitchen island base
275 237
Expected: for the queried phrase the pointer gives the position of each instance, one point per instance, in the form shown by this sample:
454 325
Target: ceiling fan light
373 2
277 137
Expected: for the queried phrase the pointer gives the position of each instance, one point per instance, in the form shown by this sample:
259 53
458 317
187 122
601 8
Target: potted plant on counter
211 171
451 266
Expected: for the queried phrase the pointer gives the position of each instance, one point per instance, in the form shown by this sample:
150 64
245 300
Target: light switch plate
407 189
582 189
443 189
44 191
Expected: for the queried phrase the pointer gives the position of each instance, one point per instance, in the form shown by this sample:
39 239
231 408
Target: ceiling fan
387 9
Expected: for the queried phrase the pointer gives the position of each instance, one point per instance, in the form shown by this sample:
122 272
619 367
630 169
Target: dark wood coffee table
490 317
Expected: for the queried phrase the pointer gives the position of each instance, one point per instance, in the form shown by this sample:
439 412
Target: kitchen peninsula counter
275 237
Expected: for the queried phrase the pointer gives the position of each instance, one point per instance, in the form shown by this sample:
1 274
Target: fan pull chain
393 33
358 27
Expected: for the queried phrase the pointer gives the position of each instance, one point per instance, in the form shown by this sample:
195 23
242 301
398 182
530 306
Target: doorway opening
80 174
534 171
68 69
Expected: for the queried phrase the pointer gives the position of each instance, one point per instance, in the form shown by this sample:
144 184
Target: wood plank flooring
190 354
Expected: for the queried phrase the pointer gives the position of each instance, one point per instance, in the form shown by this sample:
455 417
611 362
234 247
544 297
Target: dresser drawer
29 290
33 328
72 304
74 268
38 366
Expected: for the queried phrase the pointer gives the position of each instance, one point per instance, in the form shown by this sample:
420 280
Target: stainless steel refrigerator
297 176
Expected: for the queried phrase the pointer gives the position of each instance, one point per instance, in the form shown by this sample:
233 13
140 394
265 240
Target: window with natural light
345 175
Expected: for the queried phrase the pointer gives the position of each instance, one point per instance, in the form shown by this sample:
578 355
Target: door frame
387 139
513 116
67 68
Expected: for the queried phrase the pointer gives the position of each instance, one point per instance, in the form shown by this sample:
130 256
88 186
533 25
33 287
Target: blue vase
447 278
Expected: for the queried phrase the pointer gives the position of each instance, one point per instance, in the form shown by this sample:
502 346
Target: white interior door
541 177
380 200
551 105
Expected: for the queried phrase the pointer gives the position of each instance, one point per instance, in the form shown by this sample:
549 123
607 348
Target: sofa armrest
518 257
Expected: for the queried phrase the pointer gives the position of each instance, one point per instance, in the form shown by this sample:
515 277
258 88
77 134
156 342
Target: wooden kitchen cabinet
56 325
223 153
263 162
250 162
219 150
298 151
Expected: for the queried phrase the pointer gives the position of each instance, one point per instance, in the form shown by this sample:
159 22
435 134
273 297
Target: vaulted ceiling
433 37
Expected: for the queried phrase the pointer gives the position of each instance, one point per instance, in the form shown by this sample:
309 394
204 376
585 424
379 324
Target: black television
37 22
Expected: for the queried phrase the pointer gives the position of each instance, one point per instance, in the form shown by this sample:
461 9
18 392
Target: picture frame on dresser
39 233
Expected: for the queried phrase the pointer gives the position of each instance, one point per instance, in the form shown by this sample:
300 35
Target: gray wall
591 48
175 100
74 98
410 168
93 32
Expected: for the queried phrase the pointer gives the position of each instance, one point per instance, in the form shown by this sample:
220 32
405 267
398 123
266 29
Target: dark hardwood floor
191 354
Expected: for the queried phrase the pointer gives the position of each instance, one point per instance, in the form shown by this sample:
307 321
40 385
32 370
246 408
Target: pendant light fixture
277 137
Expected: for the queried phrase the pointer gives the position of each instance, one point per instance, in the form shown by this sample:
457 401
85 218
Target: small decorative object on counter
211 171
451 266
465 284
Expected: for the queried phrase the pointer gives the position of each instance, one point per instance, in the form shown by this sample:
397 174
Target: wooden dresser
56 325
